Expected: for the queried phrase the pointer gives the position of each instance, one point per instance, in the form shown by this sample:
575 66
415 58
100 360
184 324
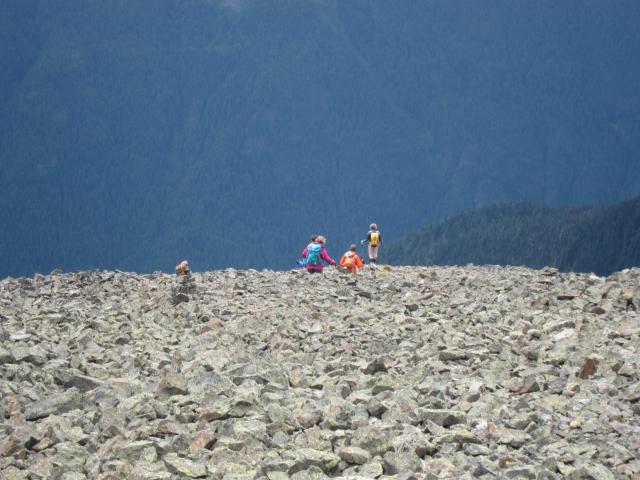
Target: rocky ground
436 373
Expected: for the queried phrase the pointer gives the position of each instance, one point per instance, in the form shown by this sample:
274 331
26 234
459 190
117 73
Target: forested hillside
134 134
598 239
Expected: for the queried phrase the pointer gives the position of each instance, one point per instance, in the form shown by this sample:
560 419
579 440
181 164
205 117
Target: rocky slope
474 372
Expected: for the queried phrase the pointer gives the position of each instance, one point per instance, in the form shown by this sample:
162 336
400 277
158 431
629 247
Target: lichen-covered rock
376 440
354 455
401 462
305 458
444 418
184 466
54 405
173 384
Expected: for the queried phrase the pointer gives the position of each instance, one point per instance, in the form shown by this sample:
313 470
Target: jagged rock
376 408
55 405
16 337
338 414
173 384
627 293
203 440
568 295
595 472
83 383
276 464
14 473
461 437
527 472
184 466
376 440
589 367
72 455
130 451
399 462
443 418
21 438
6 356
513 438
527 385
307 417
452 355
277 476
375 366
34 355
150 471
73 476
179 298
415 441
304 458
373 469
476 450
354 455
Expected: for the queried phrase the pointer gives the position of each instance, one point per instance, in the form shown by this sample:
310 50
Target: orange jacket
355 265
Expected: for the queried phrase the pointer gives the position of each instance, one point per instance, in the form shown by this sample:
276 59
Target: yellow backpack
374 239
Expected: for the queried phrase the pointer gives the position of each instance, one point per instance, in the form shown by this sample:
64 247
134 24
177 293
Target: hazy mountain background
598 239
133 134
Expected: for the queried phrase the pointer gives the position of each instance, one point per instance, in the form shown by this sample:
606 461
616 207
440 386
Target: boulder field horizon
401 372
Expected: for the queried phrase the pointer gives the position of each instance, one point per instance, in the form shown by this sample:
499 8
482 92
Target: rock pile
474 372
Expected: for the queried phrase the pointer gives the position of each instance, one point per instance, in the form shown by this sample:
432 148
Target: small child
351 261
374 239
314 254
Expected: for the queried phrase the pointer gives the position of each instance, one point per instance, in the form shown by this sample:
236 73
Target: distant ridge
595 239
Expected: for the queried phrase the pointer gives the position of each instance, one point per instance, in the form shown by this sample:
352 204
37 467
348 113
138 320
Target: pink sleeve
305 251
325 256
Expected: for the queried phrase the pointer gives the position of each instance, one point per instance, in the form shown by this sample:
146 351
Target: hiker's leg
373 254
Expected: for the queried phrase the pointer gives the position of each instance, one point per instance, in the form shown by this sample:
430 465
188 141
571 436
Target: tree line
599 239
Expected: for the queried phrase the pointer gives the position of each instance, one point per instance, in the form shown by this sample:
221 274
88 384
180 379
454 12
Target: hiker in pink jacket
315 253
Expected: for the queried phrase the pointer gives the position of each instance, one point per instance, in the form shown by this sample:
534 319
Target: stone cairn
181 288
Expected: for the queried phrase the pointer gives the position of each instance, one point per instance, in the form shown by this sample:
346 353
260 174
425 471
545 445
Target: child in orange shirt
351 261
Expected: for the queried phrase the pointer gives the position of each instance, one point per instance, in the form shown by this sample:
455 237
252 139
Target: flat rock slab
184 466
443 418
173 384
354 455
304 458
55 405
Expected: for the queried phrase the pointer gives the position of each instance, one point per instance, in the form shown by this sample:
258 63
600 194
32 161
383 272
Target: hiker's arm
325 256
305 252
343 260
